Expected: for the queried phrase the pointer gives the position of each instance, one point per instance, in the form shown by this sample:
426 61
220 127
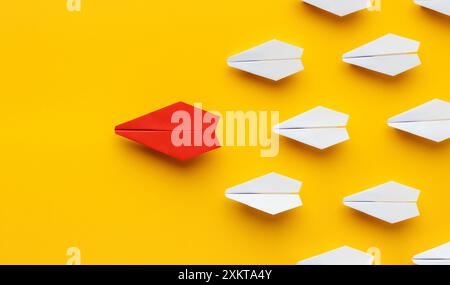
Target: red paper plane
179 130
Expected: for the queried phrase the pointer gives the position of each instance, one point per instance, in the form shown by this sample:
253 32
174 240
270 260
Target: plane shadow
264 219
408 138
380 78
153 155
328 153
265 82
362 218
434 16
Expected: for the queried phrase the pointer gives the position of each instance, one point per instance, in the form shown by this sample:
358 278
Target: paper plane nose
180 130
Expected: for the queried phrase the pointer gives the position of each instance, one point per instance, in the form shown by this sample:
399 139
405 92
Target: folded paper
320 127
390 54
391 202
436 256
340 7
274 60
180 130
430 120
272 193
340 256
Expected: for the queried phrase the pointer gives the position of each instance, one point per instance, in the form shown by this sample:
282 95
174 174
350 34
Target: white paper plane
430 120
272 193
273 60
390 54
320 127
391 202
441 6
340 256
437 256
340 7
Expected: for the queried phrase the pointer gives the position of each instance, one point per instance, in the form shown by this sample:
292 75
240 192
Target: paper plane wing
272 183
271 50
319 117
158 131
272 193
159 120
430 120
320 138
388 192
340 7
341 256
389 212
437 256
269 203
391 202
272 69
389 44
273 60
441 6
437 131
391 65
434 110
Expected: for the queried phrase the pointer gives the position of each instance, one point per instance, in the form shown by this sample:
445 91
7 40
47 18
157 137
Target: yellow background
67 180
